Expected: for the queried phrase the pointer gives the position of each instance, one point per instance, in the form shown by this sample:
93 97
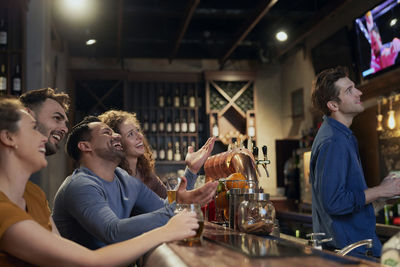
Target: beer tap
263 162
255 154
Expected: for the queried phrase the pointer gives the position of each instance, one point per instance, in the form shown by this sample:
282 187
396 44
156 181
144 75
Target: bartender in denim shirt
341 200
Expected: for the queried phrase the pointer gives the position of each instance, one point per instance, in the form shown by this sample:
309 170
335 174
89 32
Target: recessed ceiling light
91 42
281 36
393 22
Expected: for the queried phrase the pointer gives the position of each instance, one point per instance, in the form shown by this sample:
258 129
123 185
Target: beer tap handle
264 150
245 142
255 153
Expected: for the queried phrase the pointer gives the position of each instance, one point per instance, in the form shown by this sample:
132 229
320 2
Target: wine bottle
192 125
161 100
145 123
177 154
184 126
192 100
170 155
177 126
251 131
176 98
153 126
161 153
184 148
3 80
3 34
215 130
161 123
16 81
169 124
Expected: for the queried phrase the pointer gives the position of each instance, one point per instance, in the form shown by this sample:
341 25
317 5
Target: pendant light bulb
391 120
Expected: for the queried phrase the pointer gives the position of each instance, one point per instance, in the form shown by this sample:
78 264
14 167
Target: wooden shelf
13 14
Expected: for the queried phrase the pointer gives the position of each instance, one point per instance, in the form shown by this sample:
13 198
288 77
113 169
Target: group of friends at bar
113 208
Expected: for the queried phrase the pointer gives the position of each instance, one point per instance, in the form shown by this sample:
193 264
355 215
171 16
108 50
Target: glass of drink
172 186
196 208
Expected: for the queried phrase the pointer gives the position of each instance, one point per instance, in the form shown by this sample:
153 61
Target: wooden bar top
250 250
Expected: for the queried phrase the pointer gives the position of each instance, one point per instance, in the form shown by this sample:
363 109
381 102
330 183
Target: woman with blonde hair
27 233
138 154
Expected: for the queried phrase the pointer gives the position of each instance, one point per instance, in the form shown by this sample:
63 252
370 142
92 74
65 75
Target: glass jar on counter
256 215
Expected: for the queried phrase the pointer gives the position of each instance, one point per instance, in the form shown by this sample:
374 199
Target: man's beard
112 155
51 148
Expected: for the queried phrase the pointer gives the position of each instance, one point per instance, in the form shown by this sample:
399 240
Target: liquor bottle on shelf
161 151
153 148
184 125
192 99
177 126
145 123
192 125
16 81
153 125
193 142
215 130
161 99
170 154
185 100
169 124
251 131
177 154
184 148
3 80
161 127
3 34
177 98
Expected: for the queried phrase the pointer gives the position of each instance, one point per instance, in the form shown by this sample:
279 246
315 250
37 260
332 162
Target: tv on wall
378 38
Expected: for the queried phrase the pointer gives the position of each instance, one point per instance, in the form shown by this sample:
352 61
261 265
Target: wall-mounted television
378 38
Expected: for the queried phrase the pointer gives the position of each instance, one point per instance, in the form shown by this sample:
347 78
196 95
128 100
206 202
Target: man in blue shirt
341 200
100 203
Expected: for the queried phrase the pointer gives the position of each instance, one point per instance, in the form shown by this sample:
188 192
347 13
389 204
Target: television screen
378 33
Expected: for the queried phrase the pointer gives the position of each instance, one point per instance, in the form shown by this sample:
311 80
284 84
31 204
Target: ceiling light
393 22
281 36
76 5
91 42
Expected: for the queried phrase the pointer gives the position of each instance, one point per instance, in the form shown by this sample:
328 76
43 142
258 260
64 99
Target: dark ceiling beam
313 23
189 14
248 26
120 14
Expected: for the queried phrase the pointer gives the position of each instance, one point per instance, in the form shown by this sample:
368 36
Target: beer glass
172 186
196 208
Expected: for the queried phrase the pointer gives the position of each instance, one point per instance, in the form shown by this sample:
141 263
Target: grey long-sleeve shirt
94 212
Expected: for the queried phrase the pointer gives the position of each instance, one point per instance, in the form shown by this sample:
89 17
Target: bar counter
225 247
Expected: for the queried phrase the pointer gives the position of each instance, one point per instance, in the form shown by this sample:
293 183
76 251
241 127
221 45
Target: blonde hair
10 114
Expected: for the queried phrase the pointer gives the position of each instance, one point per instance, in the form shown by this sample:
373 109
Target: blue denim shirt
338 184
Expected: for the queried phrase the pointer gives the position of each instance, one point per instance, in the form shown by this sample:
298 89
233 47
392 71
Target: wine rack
12 46
171 116
230 104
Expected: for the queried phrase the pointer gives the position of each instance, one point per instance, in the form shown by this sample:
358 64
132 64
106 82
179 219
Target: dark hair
80 132
34 99
114 119
10 114
324 89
